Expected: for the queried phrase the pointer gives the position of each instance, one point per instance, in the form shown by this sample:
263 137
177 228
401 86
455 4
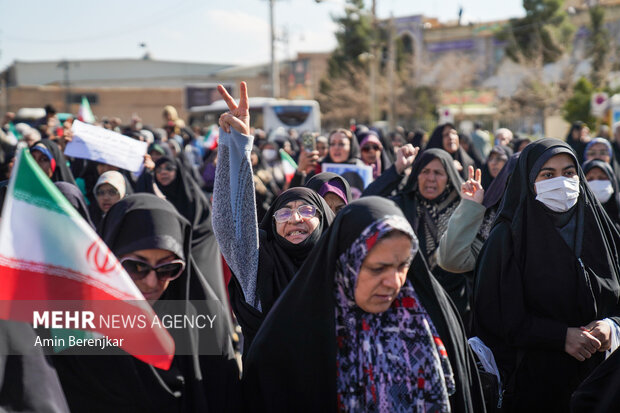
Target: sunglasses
304 211
138 269
368 148
167 167
109 192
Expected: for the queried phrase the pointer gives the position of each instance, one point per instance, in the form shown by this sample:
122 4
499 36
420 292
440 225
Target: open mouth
296 233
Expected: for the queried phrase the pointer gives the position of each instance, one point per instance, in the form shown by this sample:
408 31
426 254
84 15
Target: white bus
266 114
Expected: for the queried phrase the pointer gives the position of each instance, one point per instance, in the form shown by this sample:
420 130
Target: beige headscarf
113 178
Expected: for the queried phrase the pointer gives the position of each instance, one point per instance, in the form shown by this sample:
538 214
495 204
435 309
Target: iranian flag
85 114
49 253
212 138
288 164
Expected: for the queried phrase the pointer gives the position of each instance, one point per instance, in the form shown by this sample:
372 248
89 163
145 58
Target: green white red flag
48 253
85 114
288 164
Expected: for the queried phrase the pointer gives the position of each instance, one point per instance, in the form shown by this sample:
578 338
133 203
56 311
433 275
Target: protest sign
105 146
364 172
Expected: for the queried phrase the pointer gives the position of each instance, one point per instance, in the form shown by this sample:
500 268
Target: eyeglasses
166 167
598 153
304 211
108 192
339 145
368 148
138 269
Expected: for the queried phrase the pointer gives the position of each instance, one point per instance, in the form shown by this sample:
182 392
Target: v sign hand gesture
472 189
238 116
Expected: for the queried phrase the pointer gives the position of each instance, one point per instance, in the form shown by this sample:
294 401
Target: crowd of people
476 272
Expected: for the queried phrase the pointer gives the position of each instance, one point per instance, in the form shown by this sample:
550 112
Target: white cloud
319 39
238 22
237 36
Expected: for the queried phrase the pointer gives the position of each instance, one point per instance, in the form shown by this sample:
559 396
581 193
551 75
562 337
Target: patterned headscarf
390 361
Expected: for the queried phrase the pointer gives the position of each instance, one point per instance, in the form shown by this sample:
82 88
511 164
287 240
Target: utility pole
64 65
275 76
391 69
4 90
374 61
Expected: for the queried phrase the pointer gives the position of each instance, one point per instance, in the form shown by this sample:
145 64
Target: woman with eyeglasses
109 189
263 258
153 244
343 148
88 174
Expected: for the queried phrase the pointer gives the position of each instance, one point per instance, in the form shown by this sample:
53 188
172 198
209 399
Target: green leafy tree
578 106
415 103
354 38
344 93
542 35
598 47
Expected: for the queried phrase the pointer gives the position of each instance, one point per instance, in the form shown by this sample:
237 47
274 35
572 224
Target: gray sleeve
234 211
459 246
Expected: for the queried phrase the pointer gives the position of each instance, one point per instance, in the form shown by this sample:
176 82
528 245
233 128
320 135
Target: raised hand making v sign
472 188
238 116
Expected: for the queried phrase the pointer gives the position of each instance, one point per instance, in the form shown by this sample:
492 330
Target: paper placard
105 146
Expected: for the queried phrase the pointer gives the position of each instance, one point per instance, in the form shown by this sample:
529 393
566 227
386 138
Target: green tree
578 106
542 35
416 103
344 93
598 47
354 38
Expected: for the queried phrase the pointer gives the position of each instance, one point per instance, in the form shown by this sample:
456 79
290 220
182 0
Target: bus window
266 113
292 115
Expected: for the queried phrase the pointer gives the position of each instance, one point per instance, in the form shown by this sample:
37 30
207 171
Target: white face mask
558 194
269 154
603 190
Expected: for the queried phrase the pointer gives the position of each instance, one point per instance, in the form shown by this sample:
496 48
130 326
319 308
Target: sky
212 31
